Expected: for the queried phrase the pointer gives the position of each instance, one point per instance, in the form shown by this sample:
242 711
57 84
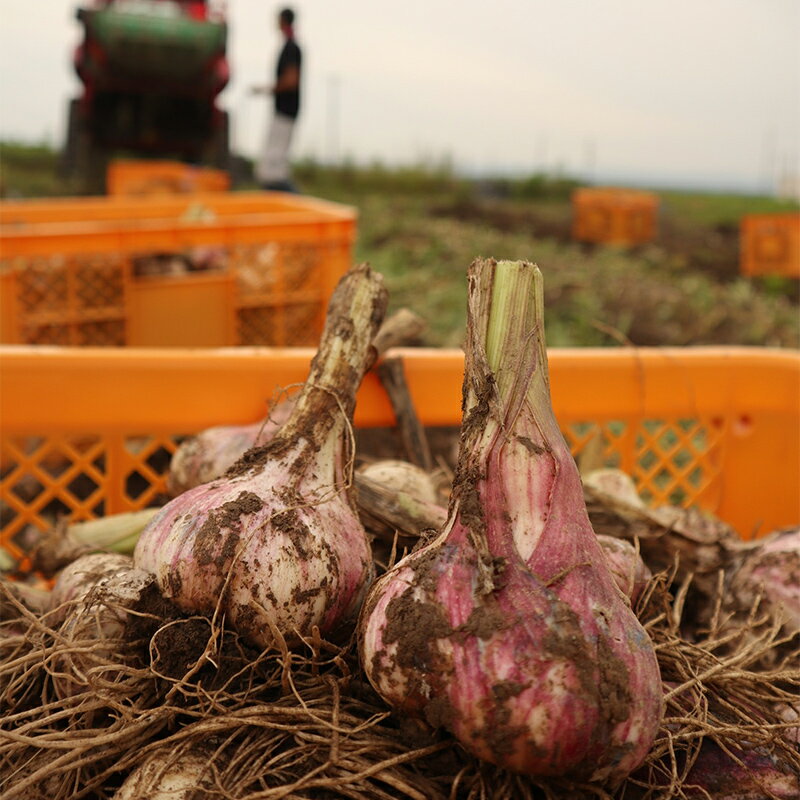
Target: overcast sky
677 91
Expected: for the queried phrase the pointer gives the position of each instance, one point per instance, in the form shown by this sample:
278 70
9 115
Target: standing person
273 170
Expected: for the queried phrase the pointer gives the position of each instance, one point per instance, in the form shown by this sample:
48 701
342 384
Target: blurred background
681 94
475 132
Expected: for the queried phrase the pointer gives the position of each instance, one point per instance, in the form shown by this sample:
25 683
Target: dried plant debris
306 724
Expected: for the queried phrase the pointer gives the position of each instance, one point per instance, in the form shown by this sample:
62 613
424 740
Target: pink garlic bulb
629 571
739 774
206 456
276 544
772 570
508 629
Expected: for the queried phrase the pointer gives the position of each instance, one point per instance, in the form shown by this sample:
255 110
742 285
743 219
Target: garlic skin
629 571
616 483
92 598
741 774
83 575
771 569
508 628
276 544
204 457
401 476
170 775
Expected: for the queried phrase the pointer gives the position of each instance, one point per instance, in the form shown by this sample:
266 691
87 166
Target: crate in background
133 177
614 216
202 270
88 432
770 244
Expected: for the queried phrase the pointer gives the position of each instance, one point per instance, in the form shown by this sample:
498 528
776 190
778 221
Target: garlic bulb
739 774
83 575
616 483
629 571
401 476
202 458
93 598
275 543
508 629
770 570
185 774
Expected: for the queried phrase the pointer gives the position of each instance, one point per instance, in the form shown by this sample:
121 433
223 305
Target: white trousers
274 162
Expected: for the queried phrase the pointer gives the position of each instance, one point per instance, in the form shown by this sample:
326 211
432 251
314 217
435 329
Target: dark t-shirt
288 103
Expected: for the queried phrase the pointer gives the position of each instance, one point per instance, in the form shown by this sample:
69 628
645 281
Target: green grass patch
422 226
720 209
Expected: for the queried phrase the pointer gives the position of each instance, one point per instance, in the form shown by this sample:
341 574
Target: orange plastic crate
770 244
614 216
131 178
77 271
90 431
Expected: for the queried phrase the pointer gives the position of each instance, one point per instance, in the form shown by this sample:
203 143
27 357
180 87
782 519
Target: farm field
683 289
422 227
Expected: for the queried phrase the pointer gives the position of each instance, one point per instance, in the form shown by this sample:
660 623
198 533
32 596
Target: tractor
152 72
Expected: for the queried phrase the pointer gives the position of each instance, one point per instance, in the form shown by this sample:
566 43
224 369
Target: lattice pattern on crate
144 470
677 460
45 334
303 323
595 446
672 462
79 477
41 284
105 333
277 268
302 265
99 282
78 300
43 479
298 325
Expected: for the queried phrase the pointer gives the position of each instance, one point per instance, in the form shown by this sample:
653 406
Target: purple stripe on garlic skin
508 628
276 543
519 642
